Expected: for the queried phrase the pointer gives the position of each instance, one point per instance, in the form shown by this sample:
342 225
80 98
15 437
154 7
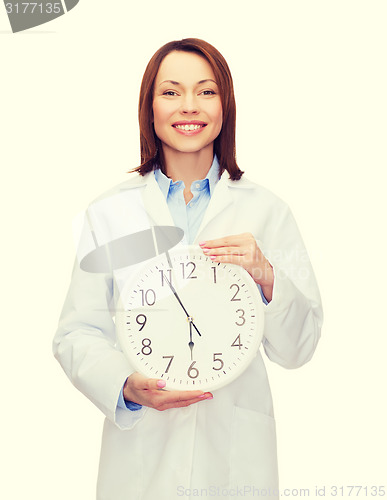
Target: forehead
184 67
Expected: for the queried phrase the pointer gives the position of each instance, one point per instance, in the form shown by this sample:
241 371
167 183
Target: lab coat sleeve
294 316
85 345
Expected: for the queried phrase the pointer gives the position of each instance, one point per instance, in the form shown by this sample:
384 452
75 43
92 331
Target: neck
188 167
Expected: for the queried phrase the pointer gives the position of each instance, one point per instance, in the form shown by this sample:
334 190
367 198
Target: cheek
157 113
216 111
162 110
159 117
217 115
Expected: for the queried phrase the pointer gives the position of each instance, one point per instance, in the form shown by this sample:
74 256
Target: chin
192 148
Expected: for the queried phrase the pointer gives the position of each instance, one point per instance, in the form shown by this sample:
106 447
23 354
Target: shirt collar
165 182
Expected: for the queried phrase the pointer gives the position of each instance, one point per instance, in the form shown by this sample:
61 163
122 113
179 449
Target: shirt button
197 186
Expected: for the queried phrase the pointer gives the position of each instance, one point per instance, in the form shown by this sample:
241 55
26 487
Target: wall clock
190 321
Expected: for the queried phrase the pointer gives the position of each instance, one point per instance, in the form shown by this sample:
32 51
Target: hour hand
190 343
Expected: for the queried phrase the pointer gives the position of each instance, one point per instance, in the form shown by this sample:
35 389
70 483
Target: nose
189 105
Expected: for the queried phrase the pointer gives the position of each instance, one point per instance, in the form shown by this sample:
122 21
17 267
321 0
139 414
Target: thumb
149 384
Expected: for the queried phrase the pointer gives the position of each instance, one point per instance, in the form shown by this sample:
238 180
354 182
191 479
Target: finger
188 402
141 382
225 251
166 397
161 400
226 241
238 260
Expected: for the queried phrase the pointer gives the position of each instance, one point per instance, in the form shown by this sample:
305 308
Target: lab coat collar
212 177
157 208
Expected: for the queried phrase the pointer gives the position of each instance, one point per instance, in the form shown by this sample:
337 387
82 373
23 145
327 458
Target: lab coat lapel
155 204
158 211
220 199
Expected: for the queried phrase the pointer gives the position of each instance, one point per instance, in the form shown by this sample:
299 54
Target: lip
189 122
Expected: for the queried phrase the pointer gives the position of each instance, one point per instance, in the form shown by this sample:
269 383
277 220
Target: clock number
237 342
192 371
146 346
169 364
236 293
141 320
214 269
148 297
186 264
242 317
169 277
218 359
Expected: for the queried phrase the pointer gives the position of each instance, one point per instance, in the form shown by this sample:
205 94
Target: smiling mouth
189 127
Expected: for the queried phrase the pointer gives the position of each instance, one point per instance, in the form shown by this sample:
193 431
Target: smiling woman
187 114
157 442
188 72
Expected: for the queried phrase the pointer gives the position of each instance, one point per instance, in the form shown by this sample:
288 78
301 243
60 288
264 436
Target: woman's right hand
149 392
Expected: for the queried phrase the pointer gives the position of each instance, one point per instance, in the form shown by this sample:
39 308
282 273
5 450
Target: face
187 108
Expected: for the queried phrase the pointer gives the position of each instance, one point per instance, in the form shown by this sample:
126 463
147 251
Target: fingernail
161 383
201 243
212 257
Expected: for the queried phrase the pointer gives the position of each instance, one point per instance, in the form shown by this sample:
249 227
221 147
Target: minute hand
180 302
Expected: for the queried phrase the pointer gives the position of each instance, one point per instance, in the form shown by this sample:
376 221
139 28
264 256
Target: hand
242 249
149 392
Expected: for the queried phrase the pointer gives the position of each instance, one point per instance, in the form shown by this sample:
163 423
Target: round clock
190 321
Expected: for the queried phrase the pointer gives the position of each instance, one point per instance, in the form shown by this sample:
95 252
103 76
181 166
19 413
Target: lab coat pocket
253 454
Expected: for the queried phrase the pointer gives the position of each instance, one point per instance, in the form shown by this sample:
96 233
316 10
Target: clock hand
190 343
193 324
175 294
180 302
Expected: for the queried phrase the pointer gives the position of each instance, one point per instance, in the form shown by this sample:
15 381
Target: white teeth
188 127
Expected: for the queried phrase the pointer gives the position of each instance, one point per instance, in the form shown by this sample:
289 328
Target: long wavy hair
224 145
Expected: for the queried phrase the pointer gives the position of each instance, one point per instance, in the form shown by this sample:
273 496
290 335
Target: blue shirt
186 216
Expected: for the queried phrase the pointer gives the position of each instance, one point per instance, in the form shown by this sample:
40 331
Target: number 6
192 369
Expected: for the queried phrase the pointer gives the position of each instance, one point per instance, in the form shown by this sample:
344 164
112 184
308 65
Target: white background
310 79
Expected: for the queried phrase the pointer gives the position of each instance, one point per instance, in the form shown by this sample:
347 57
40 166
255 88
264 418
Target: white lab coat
219 447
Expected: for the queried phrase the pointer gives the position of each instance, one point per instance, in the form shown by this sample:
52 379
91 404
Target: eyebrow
198 83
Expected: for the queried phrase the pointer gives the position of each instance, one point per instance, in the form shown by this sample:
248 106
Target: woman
217 444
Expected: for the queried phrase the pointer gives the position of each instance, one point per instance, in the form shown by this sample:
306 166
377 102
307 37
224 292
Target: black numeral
148 297
146 347
183 270
166 276
236 293
170 361
219 360
241 317
192 372
141 320
237 342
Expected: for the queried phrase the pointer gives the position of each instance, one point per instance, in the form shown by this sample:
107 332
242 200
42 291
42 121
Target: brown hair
224 144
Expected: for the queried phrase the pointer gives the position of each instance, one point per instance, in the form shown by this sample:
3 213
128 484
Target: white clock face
192 322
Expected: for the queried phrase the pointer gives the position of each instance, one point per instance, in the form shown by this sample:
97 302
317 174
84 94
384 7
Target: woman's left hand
242 249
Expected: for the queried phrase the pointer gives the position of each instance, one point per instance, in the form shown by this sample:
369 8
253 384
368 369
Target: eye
208 92
170 93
